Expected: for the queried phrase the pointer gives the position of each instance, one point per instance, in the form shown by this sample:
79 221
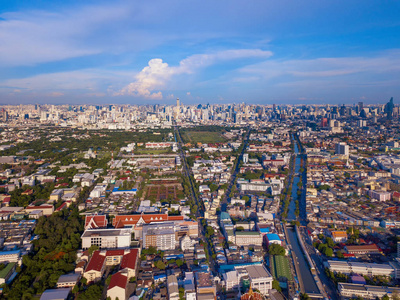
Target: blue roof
10 252
160 276
264 229
273 237
116 189
225 216
225 268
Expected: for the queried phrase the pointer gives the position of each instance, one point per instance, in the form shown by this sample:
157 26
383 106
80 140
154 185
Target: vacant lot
165 191
204 137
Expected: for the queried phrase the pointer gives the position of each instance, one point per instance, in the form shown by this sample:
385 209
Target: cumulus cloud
152 76
156 75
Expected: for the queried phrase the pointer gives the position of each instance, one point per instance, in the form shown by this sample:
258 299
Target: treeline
111 140
40 191
54 254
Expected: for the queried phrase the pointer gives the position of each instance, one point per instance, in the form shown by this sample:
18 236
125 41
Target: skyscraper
389 109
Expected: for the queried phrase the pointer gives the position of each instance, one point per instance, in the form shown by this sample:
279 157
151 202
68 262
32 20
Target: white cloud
326 67
34 37
156 75
151 77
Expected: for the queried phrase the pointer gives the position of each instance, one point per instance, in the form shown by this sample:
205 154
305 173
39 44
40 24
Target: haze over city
261 52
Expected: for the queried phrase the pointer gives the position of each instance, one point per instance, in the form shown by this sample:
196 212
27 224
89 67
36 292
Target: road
224 201
200 212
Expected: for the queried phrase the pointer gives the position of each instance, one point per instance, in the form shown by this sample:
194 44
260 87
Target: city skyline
226 52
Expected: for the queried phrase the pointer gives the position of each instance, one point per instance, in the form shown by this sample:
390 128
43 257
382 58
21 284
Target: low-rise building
117 287
248 238
68 280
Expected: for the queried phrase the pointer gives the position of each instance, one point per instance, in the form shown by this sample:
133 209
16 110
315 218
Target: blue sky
260 51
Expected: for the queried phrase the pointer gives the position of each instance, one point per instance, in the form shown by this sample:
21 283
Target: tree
304 297
330 242
276 286
385 297
75 290
179 262
160 265
275 249
339 254
92 249
93 292
328 251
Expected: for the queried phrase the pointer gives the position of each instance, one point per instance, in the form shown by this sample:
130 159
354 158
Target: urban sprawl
196 202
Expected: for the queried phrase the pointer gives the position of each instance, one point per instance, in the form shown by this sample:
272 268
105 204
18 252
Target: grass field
203 137
153 151
280 266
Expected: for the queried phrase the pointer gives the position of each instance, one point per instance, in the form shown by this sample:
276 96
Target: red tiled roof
80 264
117 252
39 207
396 194
96 262
118 280
64 205
129 260
175 218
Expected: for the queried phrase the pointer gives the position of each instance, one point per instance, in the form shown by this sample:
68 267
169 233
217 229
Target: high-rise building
342 149
360 107
389 109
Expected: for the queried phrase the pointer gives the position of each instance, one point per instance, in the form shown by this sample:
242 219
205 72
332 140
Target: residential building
68 280
205 285
173 290
160 235
260 278
248 238
117 287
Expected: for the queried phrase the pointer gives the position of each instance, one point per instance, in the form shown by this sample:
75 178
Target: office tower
342 149
389 109
360 107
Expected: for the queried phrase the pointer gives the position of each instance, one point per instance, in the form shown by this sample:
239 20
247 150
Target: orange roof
96 221
336 234
147 218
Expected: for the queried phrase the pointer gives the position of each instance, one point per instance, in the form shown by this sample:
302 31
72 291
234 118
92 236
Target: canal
305 276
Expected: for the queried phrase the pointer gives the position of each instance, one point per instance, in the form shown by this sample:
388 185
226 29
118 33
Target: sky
147 52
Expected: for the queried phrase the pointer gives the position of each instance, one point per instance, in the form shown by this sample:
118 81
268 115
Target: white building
260 278
107 238
232 280
350 290
116 288
247 238
369 269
